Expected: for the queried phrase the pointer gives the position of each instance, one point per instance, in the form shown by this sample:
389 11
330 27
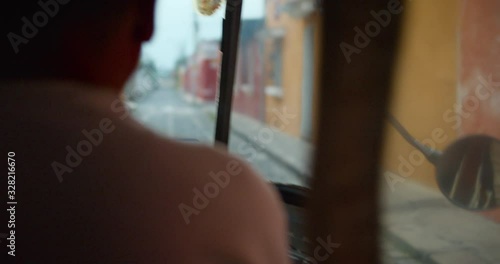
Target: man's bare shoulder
222 205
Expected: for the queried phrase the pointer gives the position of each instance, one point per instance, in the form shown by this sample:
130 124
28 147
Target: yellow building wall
292 67
424 87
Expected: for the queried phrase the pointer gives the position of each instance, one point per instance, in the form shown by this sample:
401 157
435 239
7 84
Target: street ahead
169 112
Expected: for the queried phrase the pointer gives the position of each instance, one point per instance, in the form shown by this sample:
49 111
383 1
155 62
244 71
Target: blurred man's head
94 41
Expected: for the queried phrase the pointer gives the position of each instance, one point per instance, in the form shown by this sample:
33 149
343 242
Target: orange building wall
292 71
425 86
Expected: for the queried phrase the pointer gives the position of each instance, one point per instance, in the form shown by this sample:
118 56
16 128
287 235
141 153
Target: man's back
94 186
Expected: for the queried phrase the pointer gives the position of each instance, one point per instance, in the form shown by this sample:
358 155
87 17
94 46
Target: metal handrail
229 48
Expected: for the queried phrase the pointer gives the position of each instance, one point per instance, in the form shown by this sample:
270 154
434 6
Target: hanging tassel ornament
208 7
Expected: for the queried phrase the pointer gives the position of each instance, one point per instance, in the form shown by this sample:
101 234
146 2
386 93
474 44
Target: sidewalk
430 229
292 152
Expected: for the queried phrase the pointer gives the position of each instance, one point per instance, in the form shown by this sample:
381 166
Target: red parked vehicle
201 79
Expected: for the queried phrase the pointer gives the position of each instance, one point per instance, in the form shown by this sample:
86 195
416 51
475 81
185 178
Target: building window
275 85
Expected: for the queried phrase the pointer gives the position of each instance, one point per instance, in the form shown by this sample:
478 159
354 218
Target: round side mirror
468 173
